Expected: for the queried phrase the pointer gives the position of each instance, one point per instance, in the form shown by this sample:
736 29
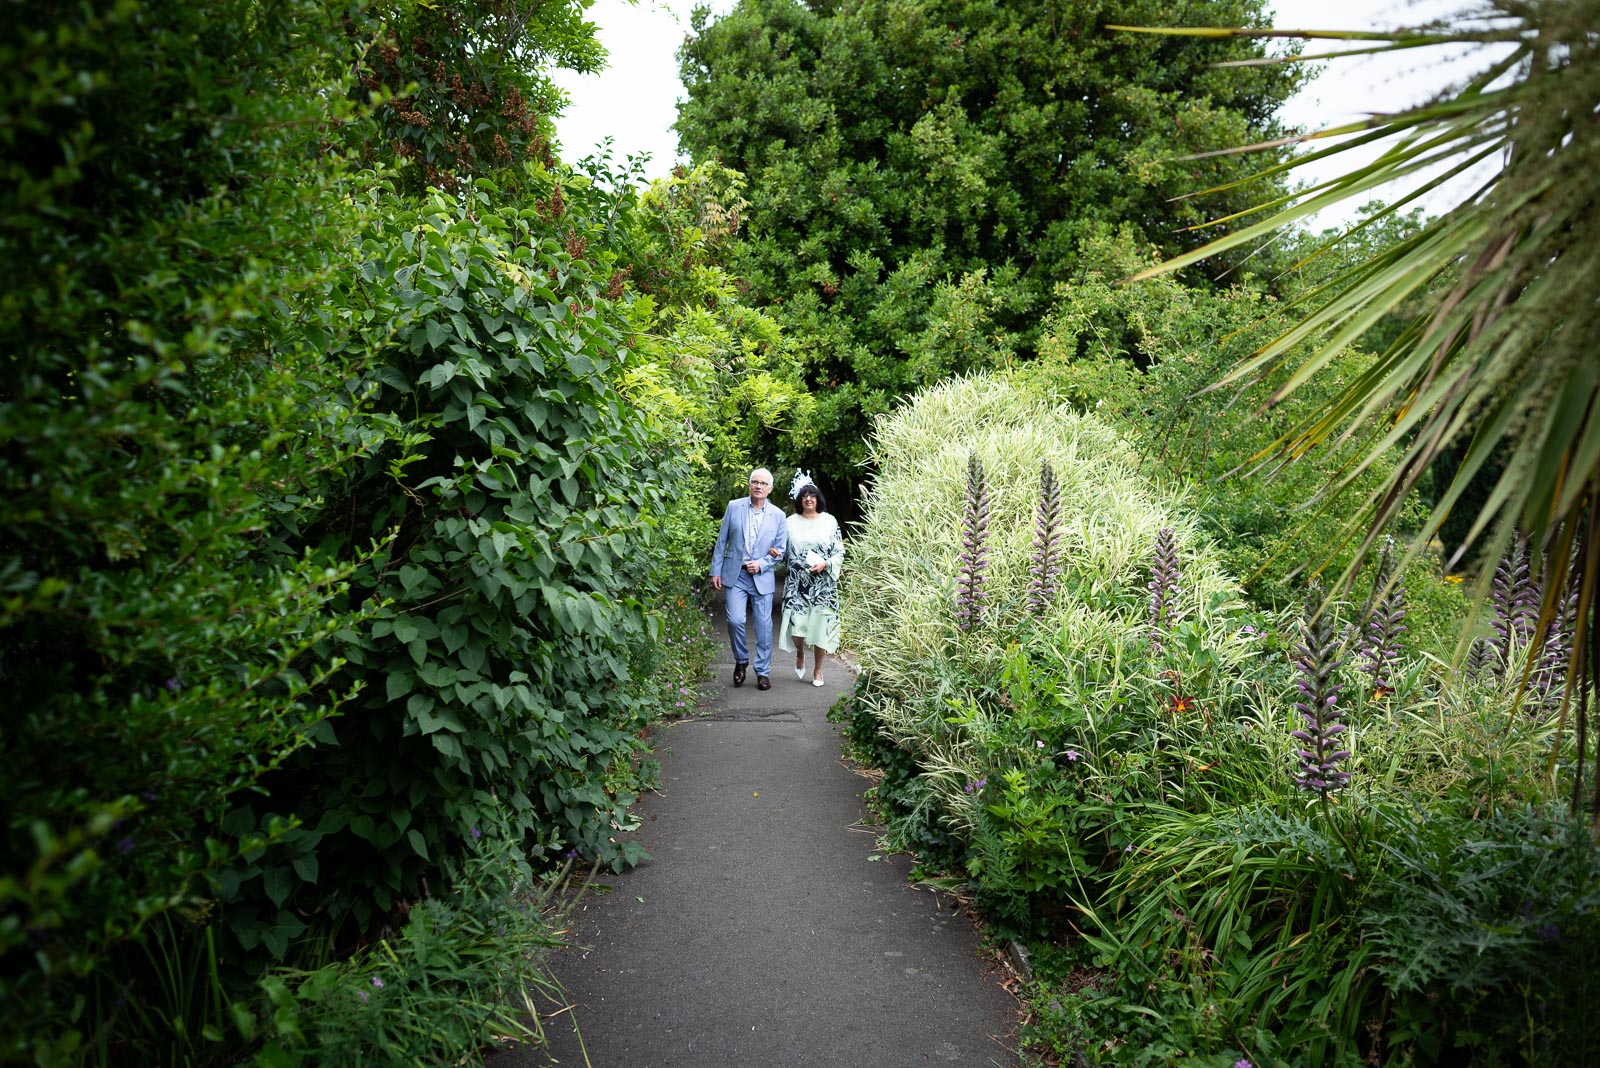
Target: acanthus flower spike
973 568
1046 566
1165 576
1319 755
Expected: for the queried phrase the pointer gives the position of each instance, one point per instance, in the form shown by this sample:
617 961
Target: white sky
634 100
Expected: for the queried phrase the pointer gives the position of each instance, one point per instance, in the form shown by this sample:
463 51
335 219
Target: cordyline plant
1046 567
1317 658
1164 577
974 562
1499 360
1385 622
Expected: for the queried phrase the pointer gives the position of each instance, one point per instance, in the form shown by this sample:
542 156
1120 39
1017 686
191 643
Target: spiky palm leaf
1504 359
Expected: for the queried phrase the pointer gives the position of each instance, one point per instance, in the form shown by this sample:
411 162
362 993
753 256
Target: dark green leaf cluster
1502 914
461 90
455 975
519 492
160 223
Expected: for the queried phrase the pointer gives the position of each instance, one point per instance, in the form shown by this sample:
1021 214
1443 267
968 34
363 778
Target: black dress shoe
738 674
763 683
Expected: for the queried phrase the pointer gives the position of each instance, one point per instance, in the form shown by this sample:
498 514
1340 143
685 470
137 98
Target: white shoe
817 681
799 672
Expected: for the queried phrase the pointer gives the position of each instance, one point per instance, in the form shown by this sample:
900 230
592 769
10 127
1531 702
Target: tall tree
921 172
464 89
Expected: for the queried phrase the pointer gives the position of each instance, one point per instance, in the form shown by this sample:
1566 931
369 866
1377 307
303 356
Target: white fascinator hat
801 480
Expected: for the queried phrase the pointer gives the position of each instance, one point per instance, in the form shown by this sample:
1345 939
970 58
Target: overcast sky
634 100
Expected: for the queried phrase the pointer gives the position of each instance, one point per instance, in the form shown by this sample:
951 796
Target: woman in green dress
811 592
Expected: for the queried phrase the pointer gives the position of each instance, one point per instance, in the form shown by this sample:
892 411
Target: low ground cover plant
1229 833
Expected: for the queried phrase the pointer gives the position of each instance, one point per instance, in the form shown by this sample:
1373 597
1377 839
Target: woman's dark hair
822 502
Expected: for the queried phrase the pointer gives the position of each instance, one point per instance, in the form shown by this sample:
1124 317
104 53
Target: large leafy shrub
922 172
522 495
328 534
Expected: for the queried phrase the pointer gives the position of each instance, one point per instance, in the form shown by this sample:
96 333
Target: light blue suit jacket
727 559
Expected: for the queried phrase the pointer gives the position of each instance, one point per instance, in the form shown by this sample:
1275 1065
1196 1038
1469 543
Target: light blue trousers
739 596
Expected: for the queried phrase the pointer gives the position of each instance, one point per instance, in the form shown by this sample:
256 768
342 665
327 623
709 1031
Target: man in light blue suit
752 539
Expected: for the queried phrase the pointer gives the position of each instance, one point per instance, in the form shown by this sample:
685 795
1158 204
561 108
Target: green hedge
329 544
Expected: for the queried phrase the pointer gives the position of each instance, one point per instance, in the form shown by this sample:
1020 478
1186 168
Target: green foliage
1128 805
1501 915
461 90
995 747
1141 357
711 363
523 494
160 657
456 975
1491 376
331 533
922 172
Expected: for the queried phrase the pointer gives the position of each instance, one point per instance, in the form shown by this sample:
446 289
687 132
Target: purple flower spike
1046 568
1319 756
1549 679
973 569
1385 622
1514 599
1481 660
1164 578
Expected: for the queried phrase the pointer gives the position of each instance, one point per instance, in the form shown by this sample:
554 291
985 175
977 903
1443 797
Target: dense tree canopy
922 172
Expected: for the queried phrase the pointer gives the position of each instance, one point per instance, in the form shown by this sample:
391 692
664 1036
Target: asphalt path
768 930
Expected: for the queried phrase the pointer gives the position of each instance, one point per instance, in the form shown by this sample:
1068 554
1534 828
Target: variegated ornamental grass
900 603
933 687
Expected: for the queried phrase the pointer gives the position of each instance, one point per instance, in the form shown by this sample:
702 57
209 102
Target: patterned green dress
811 601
